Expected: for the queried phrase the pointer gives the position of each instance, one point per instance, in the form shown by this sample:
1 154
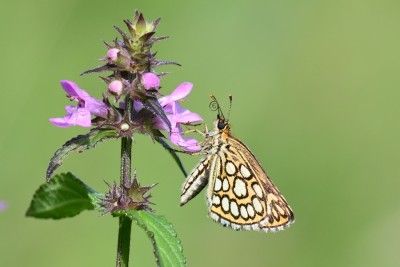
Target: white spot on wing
234 209
225 185
216 200
268 208
240 189
217 184
243 212
250 210
258 190
225 203
244 171
257 205
230 168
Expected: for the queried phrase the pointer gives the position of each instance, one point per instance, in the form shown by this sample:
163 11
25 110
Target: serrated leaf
80 144
154 106
64 196
172 152
168 249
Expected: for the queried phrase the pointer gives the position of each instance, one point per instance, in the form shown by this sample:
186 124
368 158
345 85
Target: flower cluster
86 108
177 116
132 102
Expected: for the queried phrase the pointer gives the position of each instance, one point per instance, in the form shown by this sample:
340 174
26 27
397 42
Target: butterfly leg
195 131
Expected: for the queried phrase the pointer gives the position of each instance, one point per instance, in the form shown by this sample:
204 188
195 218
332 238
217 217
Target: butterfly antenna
214 105
230 107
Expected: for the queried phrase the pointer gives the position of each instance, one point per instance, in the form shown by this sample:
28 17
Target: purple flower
187 144
81 114
177 116
3 205
182 91
150 81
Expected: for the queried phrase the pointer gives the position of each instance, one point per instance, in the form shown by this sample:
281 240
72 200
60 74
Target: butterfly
240 195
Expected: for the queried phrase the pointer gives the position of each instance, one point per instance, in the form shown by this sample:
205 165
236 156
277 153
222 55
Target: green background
316 98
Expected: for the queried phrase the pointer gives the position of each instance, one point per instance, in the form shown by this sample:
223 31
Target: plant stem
124 239
124 232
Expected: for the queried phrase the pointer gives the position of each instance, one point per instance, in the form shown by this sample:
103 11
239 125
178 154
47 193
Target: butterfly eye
221 125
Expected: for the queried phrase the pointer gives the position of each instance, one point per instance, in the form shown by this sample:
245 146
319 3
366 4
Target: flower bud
150 81
115 87
112 54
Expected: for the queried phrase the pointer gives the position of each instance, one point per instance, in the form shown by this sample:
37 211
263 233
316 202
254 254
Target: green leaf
64 196
168 249
80 144
172 152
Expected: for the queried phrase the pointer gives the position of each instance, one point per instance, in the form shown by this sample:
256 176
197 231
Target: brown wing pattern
240 193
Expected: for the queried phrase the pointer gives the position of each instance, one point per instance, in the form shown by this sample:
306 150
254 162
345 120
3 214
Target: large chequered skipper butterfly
240 194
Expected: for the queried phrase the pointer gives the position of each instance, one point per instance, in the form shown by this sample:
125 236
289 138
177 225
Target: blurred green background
316 98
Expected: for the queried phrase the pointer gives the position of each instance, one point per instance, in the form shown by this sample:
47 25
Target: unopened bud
112 54
115 87
150 81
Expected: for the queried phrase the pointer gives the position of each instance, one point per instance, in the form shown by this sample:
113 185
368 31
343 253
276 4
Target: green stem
124 239
124 232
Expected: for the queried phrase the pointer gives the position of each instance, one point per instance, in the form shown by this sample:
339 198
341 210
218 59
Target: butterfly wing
240 193
197 179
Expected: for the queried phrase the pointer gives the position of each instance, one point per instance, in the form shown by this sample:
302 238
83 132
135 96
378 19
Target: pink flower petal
73 90
96 107
190 145
80 116
181 115
175 137
169 108
70 109
182 91
61 122
188 117
187 144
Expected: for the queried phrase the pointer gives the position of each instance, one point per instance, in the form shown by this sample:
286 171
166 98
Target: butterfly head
221 124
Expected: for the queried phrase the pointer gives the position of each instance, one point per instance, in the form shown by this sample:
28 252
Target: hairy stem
124 232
